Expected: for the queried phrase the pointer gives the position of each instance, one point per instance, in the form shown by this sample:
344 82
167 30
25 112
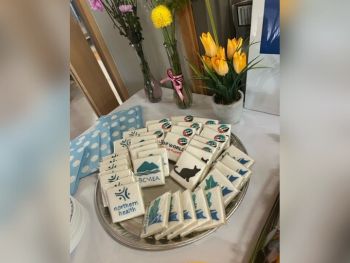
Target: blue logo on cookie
223 128
195 126
182 141
123 194
159 133
166 126
147 168
220 138
212 143
210 122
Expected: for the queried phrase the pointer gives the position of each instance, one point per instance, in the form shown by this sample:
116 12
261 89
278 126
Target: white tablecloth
232 242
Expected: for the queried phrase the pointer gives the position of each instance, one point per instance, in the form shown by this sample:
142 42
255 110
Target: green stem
212 22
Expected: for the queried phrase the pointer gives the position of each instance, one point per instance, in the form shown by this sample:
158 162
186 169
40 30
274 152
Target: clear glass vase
183 95
152 88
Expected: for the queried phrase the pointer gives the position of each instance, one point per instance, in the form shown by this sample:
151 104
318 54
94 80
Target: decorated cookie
140 144
235 178
224 129
201 210
121 145
125 202
134 133
149 171
157 121
116 164
177 119
175 145
135 151
117 160
239 156
123 152
236 166
183 131
161 152
211 134
115 170
203 155
156 218
189 214
175 219
121 181
203 146
216 207
205 121
165 126
195 125
216 178
142 138
188 170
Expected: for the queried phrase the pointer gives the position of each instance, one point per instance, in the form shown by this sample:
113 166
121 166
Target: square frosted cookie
149 171
183 131
113 159
189 214
156 218
142 138
116 164
236 166
165 126
203 146
157 121
201 210
143 143
121 145
205 121
203 155
184 118
120 160
239 156
134 152
188 170
211 143
195 125
123 152
125 202
235 178
175 220
216 208
175 145
121 181
216 178
115 170
211 134
161 152
134 132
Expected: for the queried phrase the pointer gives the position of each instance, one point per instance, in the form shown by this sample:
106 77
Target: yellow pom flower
208 44
239 61
161 16
219 65
207 62
233 45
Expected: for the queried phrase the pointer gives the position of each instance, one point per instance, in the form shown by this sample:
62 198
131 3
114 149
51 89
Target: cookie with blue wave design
201 211
236 166
235 178
156 218
175 220
125 202
189 214
216 178
239 156
216 208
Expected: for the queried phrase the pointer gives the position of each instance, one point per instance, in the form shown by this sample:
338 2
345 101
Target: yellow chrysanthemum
161 16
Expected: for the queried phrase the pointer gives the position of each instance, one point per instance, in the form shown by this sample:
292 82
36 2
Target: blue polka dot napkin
88 149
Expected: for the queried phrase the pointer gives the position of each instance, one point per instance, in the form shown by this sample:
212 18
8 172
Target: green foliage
210 183
173 5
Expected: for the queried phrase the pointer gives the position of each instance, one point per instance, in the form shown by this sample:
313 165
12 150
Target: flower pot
230 113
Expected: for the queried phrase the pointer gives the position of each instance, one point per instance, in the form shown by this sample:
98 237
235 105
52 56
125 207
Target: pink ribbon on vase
176 81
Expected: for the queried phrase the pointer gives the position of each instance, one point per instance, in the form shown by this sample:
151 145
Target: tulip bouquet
163 17
223 71
123 14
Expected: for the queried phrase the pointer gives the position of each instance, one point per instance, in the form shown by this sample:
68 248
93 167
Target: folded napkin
88 149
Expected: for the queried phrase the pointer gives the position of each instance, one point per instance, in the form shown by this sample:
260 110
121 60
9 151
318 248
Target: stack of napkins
89 148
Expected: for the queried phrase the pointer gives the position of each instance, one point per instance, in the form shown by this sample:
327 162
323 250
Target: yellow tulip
208 44
233 45
219 65
239 61
221 53
207 62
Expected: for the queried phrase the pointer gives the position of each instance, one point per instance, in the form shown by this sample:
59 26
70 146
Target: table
231 243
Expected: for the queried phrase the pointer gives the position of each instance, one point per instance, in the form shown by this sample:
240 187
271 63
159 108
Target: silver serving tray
128 232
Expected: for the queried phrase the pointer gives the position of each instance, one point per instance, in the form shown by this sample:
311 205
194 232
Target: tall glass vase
182 92
152 88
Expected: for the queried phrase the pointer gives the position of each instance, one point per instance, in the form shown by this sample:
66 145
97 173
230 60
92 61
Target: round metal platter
128 232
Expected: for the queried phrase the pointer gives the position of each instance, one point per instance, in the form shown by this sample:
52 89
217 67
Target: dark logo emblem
189 118
182 141
223 128
166 126
187 132
219 138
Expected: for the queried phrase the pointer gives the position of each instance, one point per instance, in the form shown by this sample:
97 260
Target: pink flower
96 5
125 8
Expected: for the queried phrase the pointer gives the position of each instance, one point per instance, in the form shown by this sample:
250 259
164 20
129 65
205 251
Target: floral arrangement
163 17
222 71
123 14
